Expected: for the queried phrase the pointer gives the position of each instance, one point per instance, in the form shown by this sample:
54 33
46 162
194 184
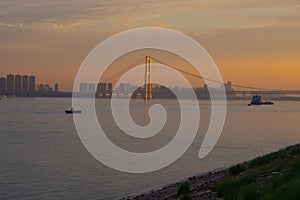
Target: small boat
256 100
72 111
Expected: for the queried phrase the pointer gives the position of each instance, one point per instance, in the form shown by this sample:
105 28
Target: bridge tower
148 85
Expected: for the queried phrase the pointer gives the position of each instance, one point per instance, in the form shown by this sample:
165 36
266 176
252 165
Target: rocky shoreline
202 186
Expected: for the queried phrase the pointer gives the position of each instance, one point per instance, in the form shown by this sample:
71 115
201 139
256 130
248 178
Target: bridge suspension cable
211 80
141 61
115 75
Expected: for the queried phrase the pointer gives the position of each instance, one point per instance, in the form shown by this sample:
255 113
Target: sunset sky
255 43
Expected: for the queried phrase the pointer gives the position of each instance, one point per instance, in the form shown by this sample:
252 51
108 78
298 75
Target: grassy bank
269 177
273 176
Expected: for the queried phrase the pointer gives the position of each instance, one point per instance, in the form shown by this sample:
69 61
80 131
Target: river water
42 157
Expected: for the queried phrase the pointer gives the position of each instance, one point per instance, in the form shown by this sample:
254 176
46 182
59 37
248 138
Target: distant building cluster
125 89
24 85
46 88
203 92
102 90
186 93
105 90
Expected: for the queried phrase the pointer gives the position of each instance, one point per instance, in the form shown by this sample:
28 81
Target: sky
254 43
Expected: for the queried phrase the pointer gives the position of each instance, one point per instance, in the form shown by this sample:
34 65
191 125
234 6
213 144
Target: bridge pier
148 85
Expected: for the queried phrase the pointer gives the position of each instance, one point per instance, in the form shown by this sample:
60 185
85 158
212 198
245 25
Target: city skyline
253 43
24 85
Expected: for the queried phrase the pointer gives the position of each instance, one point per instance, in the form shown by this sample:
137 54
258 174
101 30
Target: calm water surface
41 156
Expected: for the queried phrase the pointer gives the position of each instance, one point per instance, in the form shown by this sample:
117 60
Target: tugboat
72 111
256 100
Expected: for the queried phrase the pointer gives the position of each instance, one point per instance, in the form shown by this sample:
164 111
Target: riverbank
203 186
254 179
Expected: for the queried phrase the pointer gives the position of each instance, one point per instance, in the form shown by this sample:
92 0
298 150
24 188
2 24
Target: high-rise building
101 87
228 86
133 88
127 88
25 84
41 88
229 90
47 87
83 87
101 90
122 88
10 83
2 84
109 91
56 87
31 84
91 87
109 88
44 88
18 83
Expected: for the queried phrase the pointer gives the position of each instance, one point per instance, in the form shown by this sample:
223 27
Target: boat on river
72 111
256 100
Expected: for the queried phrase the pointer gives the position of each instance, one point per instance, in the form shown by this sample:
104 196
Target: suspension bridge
232 90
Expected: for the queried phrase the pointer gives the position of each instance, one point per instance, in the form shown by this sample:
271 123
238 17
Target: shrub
289 191
183 189
186 196
228 188
267 159
237 169
248 192
247 179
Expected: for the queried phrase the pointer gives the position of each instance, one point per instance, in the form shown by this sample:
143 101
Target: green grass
273 176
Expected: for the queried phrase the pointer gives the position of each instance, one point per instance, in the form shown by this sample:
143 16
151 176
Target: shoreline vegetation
272 176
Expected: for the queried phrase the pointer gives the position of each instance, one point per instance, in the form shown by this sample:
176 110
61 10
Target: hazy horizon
253 43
